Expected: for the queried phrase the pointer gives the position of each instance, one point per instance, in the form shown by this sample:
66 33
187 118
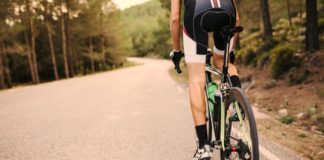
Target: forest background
46 40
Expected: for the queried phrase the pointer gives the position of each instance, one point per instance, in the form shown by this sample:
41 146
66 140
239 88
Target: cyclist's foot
204 153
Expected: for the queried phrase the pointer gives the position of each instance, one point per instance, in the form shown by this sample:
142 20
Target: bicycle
229 112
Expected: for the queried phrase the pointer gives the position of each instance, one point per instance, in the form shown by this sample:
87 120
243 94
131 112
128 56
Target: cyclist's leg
196 92
219 58
196 69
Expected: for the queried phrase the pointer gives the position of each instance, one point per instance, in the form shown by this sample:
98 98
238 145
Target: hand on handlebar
176 58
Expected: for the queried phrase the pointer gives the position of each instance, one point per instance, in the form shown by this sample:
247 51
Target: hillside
147 27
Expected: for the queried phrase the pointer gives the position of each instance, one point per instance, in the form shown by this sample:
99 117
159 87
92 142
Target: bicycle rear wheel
241 138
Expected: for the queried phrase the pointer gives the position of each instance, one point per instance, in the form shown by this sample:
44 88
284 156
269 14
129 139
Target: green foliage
302 135
250 12
263 59
321 25
269 85
247 55
96 19
320 92
166 4
149 29
282 24
312 110
19 71
297 76
267 45
287 119
282 59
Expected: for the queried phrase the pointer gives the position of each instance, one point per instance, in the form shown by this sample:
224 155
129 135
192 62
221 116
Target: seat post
226 55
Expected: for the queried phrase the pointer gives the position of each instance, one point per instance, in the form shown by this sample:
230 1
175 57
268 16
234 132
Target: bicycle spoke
238 112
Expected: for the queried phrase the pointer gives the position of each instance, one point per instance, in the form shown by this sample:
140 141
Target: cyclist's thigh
194 51
220 44
194 37
196 73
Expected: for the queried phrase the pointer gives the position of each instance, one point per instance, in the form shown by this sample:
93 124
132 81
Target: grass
307 144
269 85
287 119
302 135
320 92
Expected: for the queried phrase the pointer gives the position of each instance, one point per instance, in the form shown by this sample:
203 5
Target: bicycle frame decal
238 112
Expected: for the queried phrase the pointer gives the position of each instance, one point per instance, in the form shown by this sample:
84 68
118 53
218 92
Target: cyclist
201 17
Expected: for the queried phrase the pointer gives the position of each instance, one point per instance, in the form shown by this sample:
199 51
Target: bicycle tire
237 94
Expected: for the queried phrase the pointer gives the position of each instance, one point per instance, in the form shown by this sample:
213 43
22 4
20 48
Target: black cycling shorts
201 17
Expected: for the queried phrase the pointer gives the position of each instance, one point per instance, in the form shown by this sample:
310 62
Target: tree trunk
65 59
32 45
30 59
312 32
301 9
289 15
266 18
75 58
7 74
103 51
91 54
3 84
69 40
50 40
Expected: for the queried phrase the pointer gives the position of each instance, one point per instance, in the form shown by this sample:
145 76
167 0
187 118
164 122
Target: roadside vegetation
46 40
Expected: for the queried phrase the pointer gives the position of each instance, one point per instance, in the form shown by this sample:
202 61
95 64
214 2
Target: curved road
136 113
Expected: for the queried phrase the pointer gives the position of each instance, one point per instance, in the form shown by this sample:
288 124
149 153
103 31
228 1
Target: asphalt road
136 113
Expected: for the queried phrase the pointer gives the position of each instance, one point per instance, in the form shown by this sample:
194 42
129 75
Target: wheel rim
240 137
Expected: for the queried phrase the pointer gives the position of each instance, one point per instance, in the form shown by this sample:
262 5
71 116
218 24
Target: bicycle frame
225 86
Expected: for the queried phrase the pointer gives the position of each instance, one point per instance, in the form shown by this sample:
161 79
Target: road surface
136 113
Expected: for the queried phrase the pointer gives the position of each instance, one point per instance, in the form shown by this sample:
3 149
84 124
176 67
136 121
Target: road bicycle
230 121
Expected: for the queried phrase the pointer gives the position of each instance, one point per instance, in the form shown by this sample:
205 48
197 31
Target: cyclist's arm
175 23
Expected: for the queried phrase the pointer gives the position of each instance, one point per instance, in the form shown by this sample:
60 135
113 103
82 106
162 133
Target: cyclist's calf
196 91
218 62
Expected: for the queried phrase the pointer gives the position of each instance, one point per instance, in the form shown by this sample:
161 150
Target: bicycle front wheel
241 138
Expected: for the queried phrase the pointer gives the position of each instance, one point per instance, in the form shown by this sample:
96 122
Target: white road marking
267 153
179 89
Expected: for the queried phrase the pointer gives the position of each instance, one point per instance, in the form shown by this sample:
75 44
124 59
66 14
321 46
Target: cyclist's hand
176 58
